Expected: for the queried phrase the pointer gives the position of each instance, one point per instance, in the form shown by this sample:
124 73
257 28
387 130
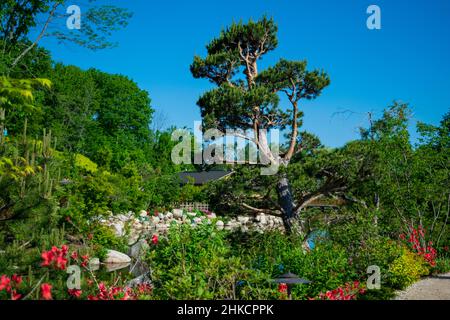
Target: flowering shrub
55 258
349 291
416 240
10 286
46 291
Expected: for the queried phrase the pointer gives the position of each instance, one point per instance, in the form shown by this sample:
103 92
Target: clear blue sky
407 60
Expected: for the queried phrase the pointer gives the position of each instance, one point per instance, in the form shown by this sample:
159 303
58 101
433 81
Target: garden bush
198 264
406 269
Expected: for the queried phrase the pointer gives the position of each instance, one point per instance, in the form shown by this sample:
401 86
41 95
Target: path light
290 279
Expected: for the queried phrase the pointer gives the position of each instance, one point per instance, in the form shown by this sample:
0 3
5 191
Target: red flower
85 262
74 255
5 283
56 258
15 295
46 291
17 279
61 263
75 293
47 257
282 288
155 239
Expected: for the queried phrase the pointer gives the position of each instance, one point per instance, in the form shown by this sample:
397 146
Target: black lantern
290 279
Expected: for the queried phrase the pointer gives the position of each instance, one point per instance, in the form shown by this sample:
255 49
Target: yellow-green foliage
407 269
85 163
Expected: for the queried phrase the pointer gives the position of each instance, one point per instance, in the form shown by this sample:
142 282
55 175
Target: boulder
118 229
111 267
156 220
122 217
138 248
177 213
220 225
116 257
243 220
141 280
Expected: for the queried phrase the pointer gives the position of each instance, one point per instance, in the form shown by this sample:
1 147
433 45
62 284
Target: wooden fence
191 206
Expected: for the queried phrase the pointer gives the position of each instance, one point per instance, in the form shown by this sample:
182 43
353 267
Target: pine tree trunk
287 204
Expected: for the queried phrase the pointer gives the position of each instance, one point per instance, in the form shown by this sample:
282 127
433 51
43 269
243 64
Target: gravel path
432 288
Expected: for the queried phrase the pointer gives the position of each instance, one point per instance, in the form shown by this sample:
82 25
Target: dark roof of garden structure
202 177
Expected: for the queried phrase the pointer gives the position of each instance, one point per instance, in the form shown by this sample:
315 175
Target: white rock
243 220
169 215
220 225
122 217
177 213
118 229
116 257
244 229
138 248
262 219
156 220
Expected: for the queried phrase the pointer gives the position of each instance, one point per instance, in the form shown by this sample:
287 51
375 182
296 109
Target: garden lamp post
290 279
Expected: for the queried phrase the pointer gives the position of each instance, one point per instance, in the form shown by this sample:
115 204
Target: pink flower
17 279
15 295
75 293
5 283
46 291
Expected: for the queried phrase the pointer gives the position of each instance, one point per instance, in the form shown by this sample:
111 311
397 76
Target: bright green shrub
103 238
406 269
85 163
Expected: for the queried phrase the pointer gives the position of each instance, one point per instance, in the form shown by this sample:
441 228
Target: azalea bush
416 239
349 291
51 283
